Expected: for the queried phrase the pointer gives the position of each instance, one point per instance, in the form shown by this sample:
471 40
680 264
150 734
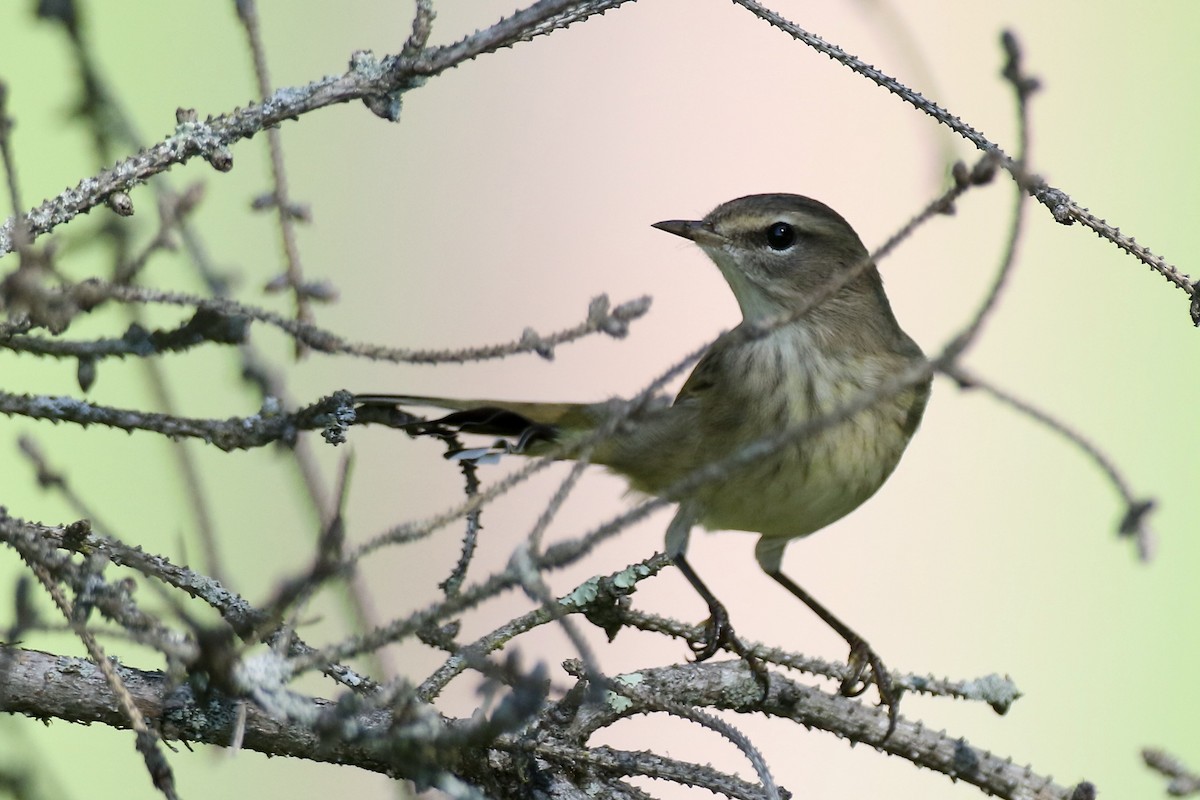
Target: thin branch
109 120
592 598
610 761
378 83
52 479
964 179
422 26
1023 86
997 691
470 475
541 18
267 427
414 531
242 617
147 741
6 156
630 688
601 318
1008 259
1061 206
525 560
203 327
1184 781
1133 520
174 209
280 198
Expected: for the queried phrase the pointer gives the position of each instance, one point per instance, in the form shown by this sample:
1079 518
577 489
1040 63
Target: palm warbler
788 363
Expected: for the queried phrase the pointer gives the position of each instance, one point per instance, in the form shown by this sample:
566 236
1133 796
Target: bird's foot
862 658
718 633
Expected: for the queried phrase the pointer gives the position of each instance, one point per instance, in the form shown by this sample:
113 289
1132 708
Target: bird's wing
705 375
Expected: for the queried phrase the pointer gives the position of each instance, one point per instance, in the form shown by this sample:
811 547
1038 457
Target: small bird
790 363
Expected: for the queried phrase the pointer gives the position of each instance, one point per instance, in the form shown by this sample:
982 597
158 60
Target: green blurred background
518 186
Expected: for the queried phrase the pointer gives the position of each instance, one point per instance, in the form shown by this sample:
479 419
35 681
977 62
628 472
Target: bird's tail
528 427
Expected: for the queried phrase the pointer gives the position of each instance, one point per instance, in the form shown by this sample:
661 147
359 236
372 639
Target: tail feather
526 422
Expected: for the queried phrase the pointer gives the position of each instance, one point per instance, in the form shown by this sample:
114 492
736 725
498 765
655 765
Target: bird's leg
861 654
718 632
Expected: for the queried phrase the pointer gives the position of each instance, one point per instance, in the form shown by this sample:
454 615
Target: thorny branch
1059 203
219 320
192 717
379 83
382 83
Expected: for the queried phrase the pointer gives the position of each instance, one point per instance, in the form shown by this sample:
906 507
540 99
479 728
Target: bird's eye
781 236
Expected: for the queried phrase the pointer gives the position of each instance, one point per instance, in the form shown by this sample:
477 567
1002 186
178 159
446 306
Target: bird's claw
717 634
862 658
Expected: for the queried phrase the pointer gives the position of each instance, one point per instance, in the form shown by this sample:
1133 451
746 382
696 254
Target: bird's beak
698 231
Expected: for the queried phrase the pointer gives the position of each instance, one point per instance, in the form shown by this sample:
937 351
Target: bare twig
1184 781
592 598
204 327
998 692
242 617
6 156
1133 520
610 761
267 427
279 198
422 26
173 212
51 479
601 318
539 19
470 474
630 688
1064 209
380 83
147 740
